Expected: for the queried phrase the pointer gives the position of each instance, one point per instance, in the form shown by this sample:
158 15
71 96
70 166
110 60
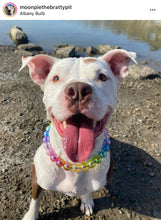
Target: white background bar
85 10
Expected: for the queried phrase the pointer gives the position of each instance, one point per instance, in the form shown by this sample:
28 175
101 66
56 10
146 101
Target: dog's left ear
118 60
39 67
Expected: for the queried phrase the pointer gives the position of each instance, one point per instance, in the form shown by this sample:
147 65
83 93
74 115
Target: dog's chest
51 177
80 183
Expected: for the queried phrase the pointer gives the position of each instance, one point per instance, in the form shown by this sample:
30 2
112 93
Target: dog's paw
87 204
30 216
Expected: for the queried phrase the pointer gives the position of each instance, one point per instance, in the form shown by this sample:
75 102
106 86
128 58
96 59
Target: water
143 37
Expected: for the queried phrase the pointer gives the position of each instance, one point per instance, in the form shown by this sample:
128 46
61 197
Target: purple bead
47 139
44 140
106 134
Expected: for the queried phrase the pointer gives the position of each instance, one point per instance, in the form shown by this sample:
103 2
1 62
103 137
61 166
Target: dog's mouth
79 133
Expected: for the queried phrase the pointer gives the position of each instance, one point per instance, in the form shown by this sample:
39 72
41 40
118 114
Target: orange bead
67 166
60 162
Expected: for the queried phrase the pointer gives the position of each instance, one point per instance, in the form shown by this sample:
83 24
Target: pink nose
78 91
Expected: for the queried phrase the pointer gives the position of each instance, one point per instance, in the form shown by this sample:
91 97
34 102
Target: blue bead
106 147
105 141
102 154
46 133
73 167
48 128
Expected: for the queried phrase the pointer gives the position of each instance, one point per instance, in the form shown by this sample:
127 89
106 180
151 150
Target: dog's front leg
33 212
87 204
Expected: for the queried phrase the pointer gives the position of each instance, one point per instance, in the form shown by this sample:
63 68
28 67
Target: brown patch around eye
89 60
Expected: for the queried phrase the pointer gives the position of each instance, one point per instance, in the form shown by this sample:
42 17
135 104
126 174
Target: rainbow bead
60 162
53 157
67 166
76 167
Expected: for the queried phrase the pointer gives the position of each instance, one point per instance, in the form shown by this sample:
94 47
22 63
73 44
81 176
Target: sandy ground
134 191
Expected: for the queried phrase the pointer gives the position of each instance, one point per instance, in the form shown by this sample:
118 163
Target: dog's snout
78 91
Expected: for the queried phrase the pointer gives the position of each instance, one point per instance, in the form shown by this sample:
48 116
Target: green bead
91 163
97 159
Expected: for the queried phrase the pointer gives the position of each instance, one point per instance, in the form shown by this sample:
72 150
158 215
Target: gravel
134 191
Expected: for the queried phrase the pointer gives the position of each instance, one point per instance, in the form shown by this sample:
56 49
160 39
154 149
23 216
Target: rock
29 47
64 52
63 45
104 48
23 52
151 174
140 72
143 62
80 52
91 51
80 49
18 36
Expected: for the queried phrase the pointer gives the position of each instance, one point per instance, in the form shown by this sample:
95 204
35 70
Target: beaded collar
76 167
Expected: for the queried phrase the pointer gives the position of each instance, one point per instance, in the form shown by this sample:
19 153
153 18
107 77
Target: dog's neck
78 166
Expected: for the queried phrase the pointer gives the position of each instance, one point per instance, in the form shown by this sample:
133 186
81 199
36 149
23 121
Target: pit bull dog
10 9
80 95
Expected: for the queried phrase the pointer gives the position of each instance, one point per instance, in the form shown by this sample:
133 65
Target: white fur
33 212
103 101
72 70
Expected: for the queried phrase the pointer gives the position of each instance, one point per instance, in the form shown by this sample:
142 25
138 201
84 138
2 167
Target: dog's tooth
94 124
64 124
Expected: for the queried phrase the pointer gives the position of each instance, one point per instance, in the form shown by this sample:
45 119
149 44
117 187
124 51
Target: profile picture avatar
10 9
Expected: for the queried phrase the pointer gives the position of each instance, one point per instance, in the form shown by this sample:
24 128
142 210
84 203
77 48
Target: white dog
80 95
10 9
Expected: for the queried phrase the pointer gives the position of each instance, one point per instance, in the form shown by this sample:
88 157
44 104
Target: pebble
152 174
128 213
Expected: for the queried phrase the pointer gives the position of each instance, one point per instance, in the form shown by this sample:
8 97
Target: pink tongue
78 139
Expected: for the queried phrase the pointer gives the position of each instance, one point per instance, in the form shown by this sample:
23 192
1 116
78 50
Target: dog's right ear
118 60
39 67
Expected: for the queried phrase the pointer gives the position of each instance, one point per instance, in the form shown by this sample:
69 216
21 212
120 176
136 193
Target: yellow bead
76 168
84 166
91 164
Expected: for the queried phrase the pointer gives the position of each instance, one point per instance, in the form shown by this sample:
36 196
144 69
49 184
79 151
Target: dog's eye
56 79
102 77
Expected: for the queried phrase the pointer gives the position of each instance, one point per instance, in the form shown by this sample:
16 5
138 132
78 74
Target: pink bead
53 158
47 152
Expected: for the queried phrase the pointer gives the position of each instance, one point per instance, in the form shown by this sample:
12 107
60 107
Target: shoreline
142 62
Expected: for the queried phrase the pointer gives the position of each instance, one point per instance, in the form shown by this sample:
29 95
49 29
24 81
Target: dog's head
80 95
10 9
